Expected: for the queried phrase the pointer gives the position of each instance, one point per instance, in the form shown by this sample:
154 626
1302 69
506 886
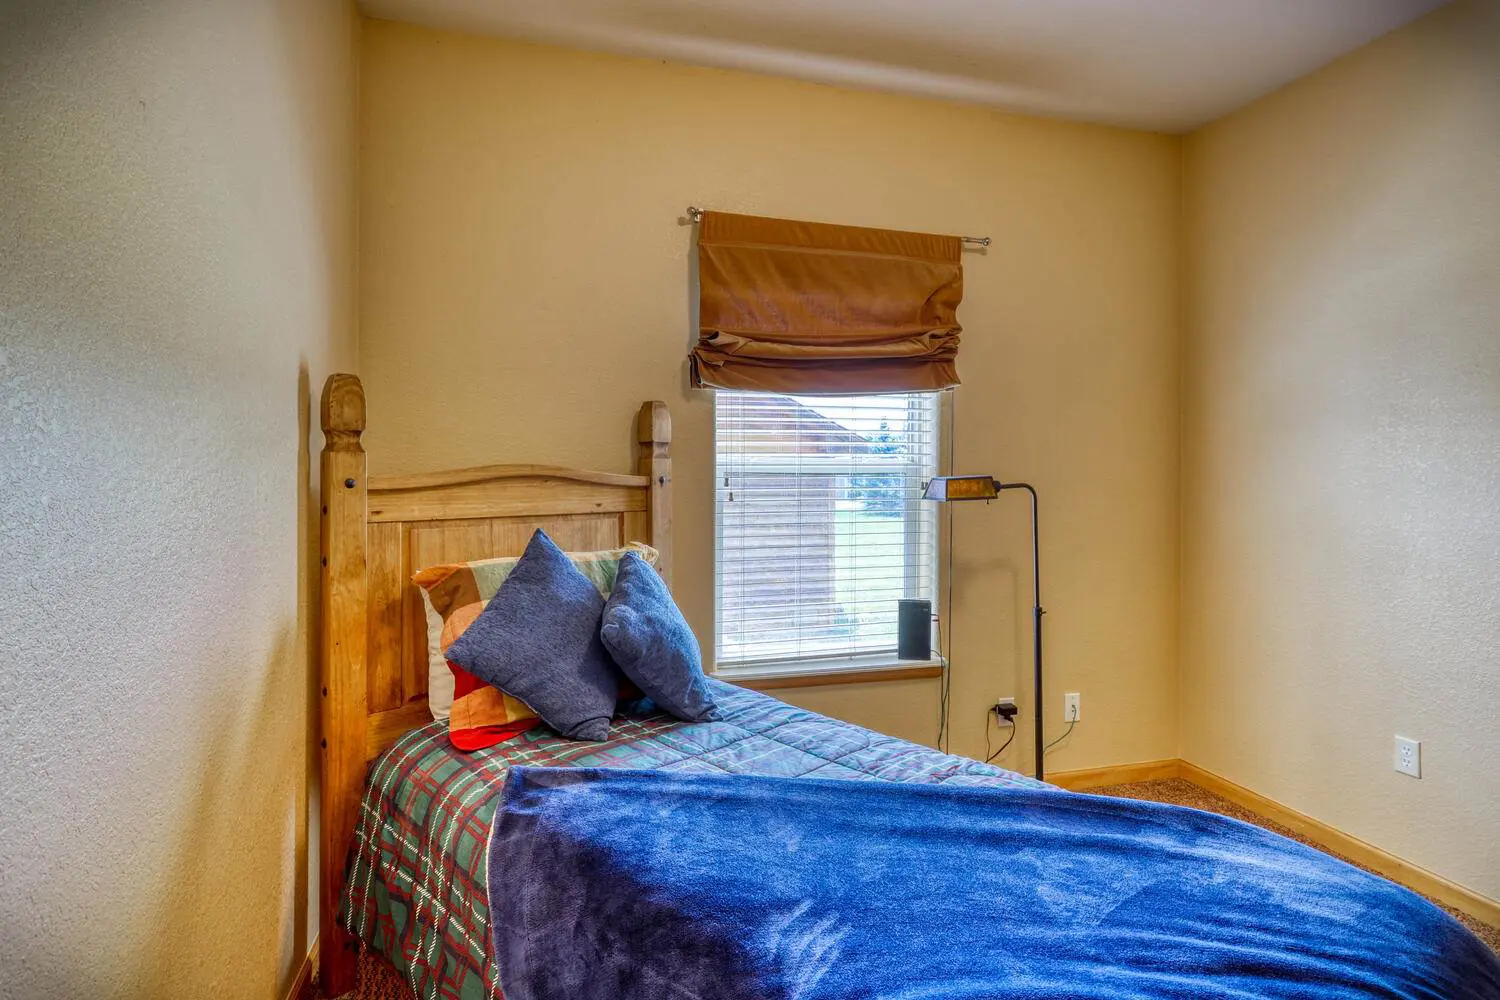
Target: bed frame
376 531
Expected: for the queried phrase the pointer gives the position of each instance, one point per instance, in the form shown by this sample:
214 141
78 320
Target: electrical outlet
1005 709
1072 710
1409 756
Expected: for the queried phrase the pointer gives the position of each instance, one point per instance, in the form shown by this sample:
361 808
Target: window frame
883 664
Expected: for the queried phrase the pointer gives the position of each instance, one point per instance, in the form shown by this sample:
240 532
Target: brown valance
806 307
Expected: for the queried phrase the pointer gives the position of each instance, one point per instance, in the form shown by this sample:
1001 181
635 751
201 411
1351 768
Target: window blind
820 525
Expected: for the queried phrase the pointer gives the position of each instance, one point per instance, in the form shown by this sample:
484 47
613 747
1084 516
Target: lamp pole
945 489
1036 616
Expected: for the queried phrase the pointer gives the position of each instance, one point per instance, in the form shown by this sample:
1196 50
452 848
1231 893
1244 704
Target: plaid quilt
416 890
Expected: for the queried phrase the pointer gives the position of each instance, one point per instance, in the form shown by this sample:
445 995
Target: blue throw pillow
651 641
538 640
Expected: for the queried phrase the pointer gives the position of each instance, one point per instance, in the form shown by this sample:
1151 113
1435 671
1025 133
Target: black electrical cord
1007 743
991 756
1064 736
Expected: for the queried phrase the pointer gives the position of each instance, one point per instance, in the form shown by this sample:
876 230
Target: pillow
644 631
439 677
450 587
481 715
538 640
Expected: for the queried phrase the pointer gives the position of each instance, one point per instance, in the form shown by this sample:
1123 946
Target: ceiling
1165 65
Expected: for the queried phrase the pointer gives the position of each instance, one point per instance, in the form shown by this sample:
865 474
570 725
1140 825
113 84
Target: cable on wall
989 757
1064 736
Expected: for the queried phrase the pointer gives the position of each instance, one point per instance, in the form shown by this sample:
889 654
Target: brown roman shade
806 307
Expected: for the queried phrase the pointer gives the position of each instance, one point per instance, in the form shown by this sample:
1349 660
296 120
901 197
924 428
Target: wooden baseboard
1396 869
1115 774
303 979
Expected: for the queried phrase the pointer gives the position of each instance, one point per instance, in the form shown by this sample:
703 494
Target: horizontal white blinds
820 525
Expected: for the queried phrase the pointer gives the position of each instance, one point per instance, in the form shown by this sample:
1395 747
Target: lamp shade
945 488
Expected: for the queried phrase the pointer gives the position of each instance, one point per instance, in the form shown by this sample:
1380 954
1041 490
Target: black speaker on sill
914 630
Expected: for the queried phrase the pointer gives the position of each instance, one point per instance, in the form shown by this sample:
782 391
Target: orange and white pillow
454 594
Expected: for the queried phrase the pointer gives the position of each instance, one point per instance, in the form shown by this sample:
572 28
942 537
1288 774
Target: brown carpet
377 981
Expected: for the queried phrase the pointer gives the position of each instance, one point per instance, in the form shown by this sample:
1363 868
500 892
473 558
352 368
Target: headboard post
375 532
345 599
654 459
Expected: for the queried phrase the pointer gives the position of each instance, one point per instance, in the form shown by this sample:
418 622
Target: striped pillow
453 595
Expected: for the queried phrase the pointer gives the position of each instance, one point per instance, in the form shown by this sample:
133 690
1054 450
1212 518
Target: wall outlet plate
1005 708
1072 707
1409 756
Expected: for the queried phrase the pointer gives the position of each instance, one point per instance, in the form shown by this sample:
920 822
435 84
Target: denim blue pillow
651 641
538 640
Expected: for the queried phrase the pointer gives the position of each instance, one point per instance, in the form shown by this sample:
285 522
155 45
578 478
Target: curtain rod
696 215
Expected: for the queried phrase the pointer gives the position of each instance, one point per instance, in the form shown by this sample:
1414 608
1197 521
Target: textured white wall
176 254
1341 528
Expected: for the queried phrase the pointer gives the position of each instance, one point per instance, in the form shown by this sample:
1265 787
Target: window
820 525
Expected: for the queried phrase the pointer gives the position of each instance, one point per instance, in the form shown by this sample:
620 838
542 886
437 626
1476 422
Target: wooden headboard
376 532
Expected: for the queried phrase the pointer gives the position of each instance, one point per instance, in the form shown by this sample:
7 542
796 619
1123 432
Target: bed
407 819
410 861
377 531
416 891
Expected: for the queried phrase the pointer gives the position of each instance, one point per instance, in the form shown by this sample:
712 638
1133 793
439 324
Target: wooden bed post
342 683
654 459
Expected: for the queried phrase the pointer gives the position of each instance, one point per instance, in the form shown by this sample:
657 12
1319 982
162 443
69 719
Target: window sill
815 673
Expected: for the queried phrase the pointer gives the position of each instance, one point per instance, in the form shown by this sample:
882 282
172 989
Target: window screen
820 525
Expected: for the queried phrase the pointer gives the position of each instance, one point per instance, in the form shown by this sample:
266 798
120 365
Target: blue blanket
611 884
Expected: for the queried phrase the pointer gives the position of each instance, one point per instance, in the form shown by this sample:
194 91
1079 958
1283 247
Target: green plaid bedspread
416 888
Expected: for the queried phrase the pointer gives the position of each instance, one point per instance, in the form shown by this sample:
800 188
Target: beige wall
524 285
176 276
1341 527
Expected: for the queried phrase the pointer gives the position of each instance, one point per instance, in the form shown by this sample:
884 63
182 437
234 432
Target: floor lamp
947 489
